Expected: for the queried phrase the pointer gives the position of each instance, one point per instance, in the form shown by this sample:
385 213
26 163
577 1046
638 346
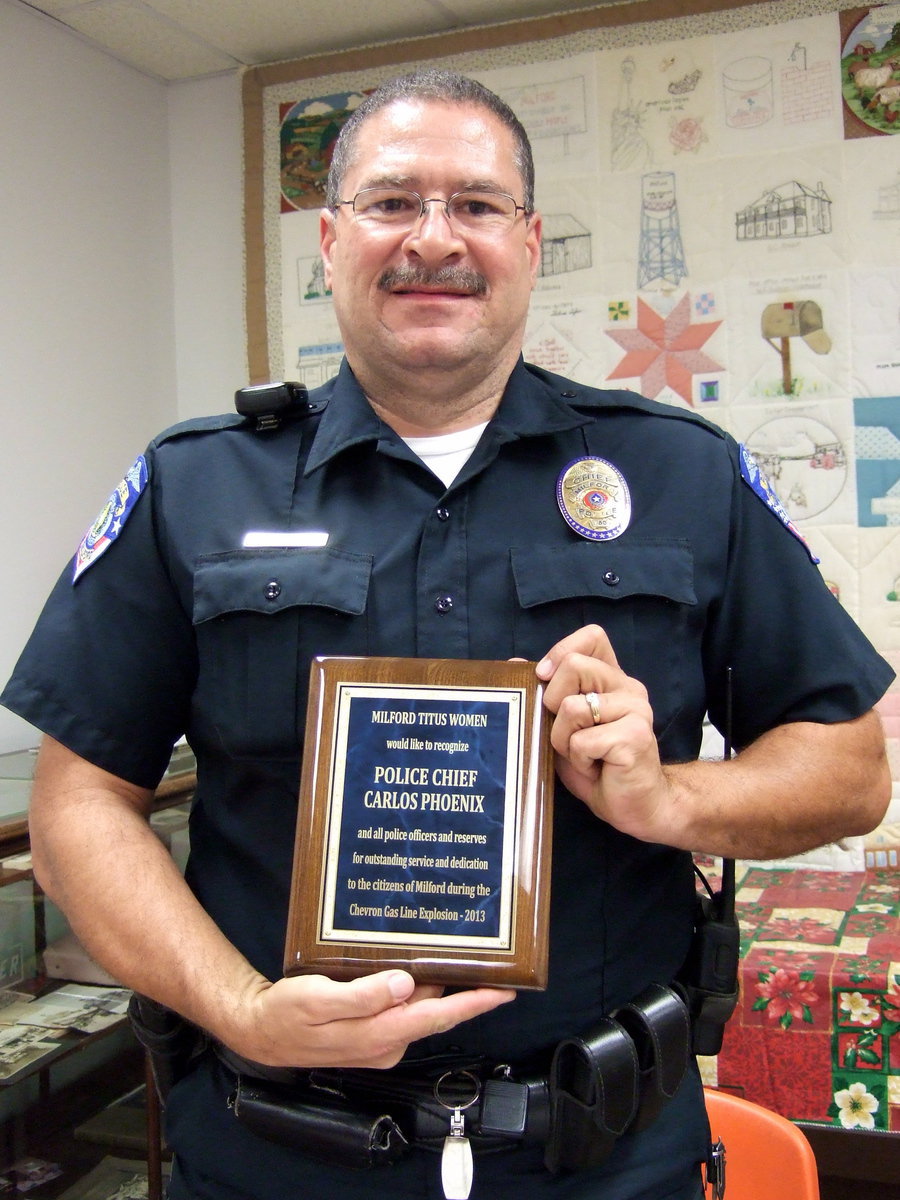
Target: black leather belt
368 1117
613 1080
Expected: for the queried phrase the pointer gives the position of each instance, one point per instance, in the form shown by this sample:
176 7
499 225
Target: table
816 1035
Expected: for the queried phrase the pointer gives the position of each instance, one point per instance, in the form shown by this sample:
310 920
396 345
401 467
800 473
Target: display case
72 1077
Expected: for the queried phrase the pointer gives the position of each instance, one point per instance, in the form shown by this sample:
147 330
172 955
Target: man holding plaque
438 500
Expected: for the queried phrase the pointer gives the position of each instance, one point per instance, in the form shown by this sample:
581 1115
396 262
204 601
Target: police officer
471 506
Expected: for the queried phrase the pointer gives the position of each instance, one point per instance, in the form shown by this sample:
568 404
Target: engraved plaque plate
424 826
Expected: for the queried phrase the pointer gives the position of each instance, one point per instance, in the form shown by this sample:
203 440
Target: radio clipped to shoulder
271 403
708 980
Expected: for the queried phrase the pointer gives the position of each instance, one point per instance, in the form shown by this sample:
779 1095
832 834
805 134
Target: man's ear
327 235
533 244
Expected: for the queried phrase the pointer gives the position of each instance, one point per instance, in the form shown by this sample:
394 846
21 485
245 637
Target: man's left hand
612 764
799 785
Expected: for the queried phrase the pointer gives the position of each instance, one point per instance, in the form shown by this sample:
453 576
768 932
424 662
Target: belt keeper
593 1096
660 1027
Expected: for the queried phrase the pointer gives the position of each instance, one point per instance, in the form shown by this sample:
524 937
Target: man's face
392 310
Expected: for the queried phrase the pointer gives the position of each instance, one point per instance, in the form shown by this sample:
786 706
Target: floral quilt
816 1035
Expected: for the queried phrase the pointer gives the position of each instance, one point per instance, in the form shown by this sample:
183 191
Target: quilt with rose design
816 1035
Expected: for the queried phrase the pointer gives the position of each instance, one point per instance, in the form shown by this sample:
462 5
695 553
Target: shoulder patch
758 482
112 517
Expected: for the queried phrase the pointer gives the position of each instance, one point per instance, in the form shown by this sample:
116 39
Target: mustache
450 278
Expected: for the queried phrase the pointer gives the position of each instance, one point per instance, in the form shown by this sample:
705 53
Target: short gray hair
447 86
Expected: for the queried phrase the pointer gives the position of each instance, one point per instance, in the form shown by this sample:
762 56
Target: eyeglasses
471 211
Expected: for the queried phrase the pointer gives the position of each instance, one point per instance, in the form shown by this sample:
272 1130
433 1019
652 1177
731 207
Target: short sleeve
792 651
110 667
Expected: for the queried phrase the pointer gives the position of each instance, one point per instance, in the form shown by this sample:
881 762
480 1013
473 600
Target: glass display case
72 1078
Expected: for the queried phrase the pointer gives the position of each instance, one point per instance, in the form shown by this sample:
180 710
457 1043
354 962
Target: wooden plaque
424 826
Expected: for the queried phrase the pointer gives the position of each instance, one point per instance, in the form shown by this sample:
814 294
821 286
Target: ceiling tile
55 8
138 36
283 29
492 12
183 39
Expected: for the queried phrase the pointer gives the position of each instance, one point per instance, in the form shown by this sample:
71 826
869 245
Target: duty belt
615 1078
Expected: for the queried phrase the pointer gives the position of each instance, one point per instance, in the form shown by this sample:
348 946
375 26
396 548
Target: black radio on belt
709 977
271 403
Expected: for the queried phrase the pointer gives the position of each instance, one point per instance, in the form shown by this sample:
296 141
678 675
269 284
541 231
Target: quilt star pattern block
665 351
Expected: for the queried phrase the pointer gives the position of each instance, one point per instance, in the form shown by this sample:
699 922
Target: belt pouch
660 1028
331 1131
517 1110
171 1042
593 1097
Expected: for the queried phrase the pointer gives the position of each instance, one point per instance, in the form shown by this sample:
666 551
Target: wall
87 364
208 238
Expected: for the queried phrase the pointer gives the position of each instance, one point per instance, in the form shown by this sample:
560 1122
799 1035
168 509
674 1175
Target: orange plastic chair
766 1155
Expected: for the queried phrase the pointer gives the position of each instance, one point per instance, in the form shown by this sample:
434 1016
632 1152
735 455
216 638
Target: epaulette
199 425
581 396
260 408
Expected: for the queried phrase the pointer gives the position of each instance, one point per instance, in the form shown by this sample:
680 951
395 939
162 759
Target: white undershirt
447 453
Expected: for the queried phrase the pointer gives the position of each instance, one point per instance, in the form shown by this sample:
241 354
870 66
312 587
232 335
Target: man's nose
434 235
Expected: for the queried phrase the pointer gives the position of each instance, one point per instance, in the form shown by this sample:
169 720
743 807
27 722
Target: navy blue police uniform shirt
178 629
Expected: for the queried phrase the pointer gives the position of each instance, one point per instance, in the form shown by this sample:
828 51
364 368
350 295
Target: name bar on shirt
309 539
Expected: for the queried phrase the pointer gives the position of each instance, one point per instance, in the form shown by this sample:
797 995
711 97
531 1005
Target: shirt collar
531 405
535 403
348 419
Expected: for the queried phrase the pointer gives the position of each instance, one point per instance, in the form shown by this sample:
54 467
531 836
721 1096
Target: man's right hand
313 1021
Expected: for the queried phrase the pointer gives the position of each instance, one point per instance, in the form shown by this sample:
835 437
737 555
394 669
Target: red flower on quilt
795 960
851 970
785 995
797 929
665 350
865 924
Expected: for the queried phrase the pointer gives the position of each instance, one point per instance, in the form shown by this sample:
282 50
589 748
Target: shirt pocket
260 616
641 593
